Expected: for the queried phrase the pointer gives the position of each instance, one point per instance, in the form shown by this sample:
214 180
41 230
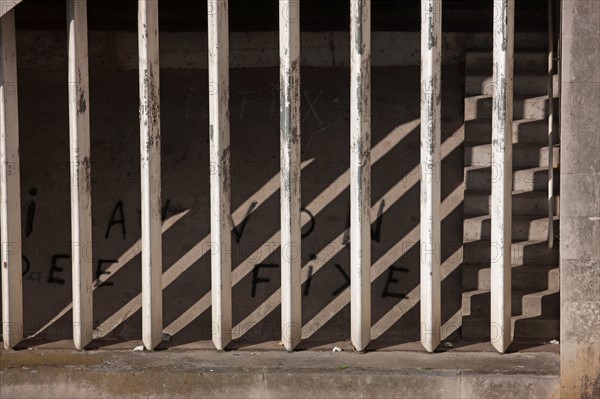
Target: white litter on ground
139 348
337 349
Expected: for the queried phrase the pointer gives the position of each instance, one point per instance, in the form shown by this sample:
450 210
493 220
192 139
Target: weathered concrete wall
580 200
188 50
255 191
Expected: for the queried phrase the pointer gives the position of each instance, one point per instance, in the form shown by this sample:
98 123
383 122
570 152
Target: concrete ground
276 374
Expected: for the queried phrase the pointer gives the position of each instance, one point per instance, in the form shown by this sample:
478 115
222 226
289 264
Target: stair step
523 85
526 61
528 155
524 277
529 179
524 107
524 131
531 203
530 329
522 252
543 303
523 228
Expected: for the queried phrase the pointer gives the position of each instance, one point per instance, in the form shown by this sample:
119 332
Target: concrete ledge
109 374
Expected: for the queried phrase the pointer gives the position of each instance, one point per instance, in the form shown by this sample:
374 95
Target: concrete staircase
535 273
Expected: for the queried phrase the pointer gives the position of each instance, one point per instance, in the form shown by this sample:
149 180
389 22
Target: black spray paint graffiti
375 233
54 268
113 221
386 291
256 279
346 283
100 272
30 213
27 264
238 231
308 281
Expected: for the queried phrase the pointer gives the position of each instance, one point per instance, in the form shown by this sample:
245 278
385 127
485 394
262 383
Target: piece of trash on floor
139 348
448 344
280 343
554 342
337 349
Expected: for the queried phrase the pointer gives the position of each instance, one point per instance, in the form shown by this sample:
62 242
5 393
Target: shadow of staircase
535 273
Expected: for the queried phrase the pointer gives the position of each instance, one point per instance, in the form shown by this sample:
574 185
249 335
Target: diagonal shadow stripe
192 256
343 299
393 195
133 251
315 206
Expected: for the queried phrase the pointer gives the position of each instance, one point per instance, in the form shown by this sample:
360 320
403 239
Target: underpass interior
254 112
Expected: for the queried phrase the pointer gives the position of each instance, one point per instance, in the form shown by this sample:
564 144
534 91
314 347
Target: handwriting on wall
118 219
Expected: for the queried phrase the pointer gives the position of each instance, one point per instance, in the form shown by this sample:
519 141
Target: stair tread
532 193
516 169
521 317
518 96
489 120
514 242
514 292
517 50
514 145
521 75
517 217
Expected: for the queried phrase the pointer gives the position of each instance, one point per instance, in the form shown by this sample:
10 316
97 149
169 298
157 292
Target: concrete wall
255 187
580 200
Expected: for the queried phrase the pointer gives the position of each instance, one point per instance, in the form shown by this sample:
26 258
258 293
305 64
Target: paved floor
276 374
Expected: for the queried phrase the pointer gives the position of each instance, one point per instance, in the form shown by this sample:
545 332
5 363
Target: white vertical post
150 172
81 189
360 172
289 54
550 123
431 43
10 193
220 190
501 203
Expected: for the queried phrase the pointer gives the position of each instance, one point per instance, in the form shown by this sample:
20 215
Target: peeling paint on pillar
10 194
431 31
220 181
360 172
81 190
291 233
501 202
150 147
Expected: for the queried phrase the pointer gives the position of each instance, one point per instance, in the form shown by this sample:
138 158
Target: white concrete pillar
220 190
550 123
150 173
81 187
10 193
431 141
360 172
501 203
291 262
